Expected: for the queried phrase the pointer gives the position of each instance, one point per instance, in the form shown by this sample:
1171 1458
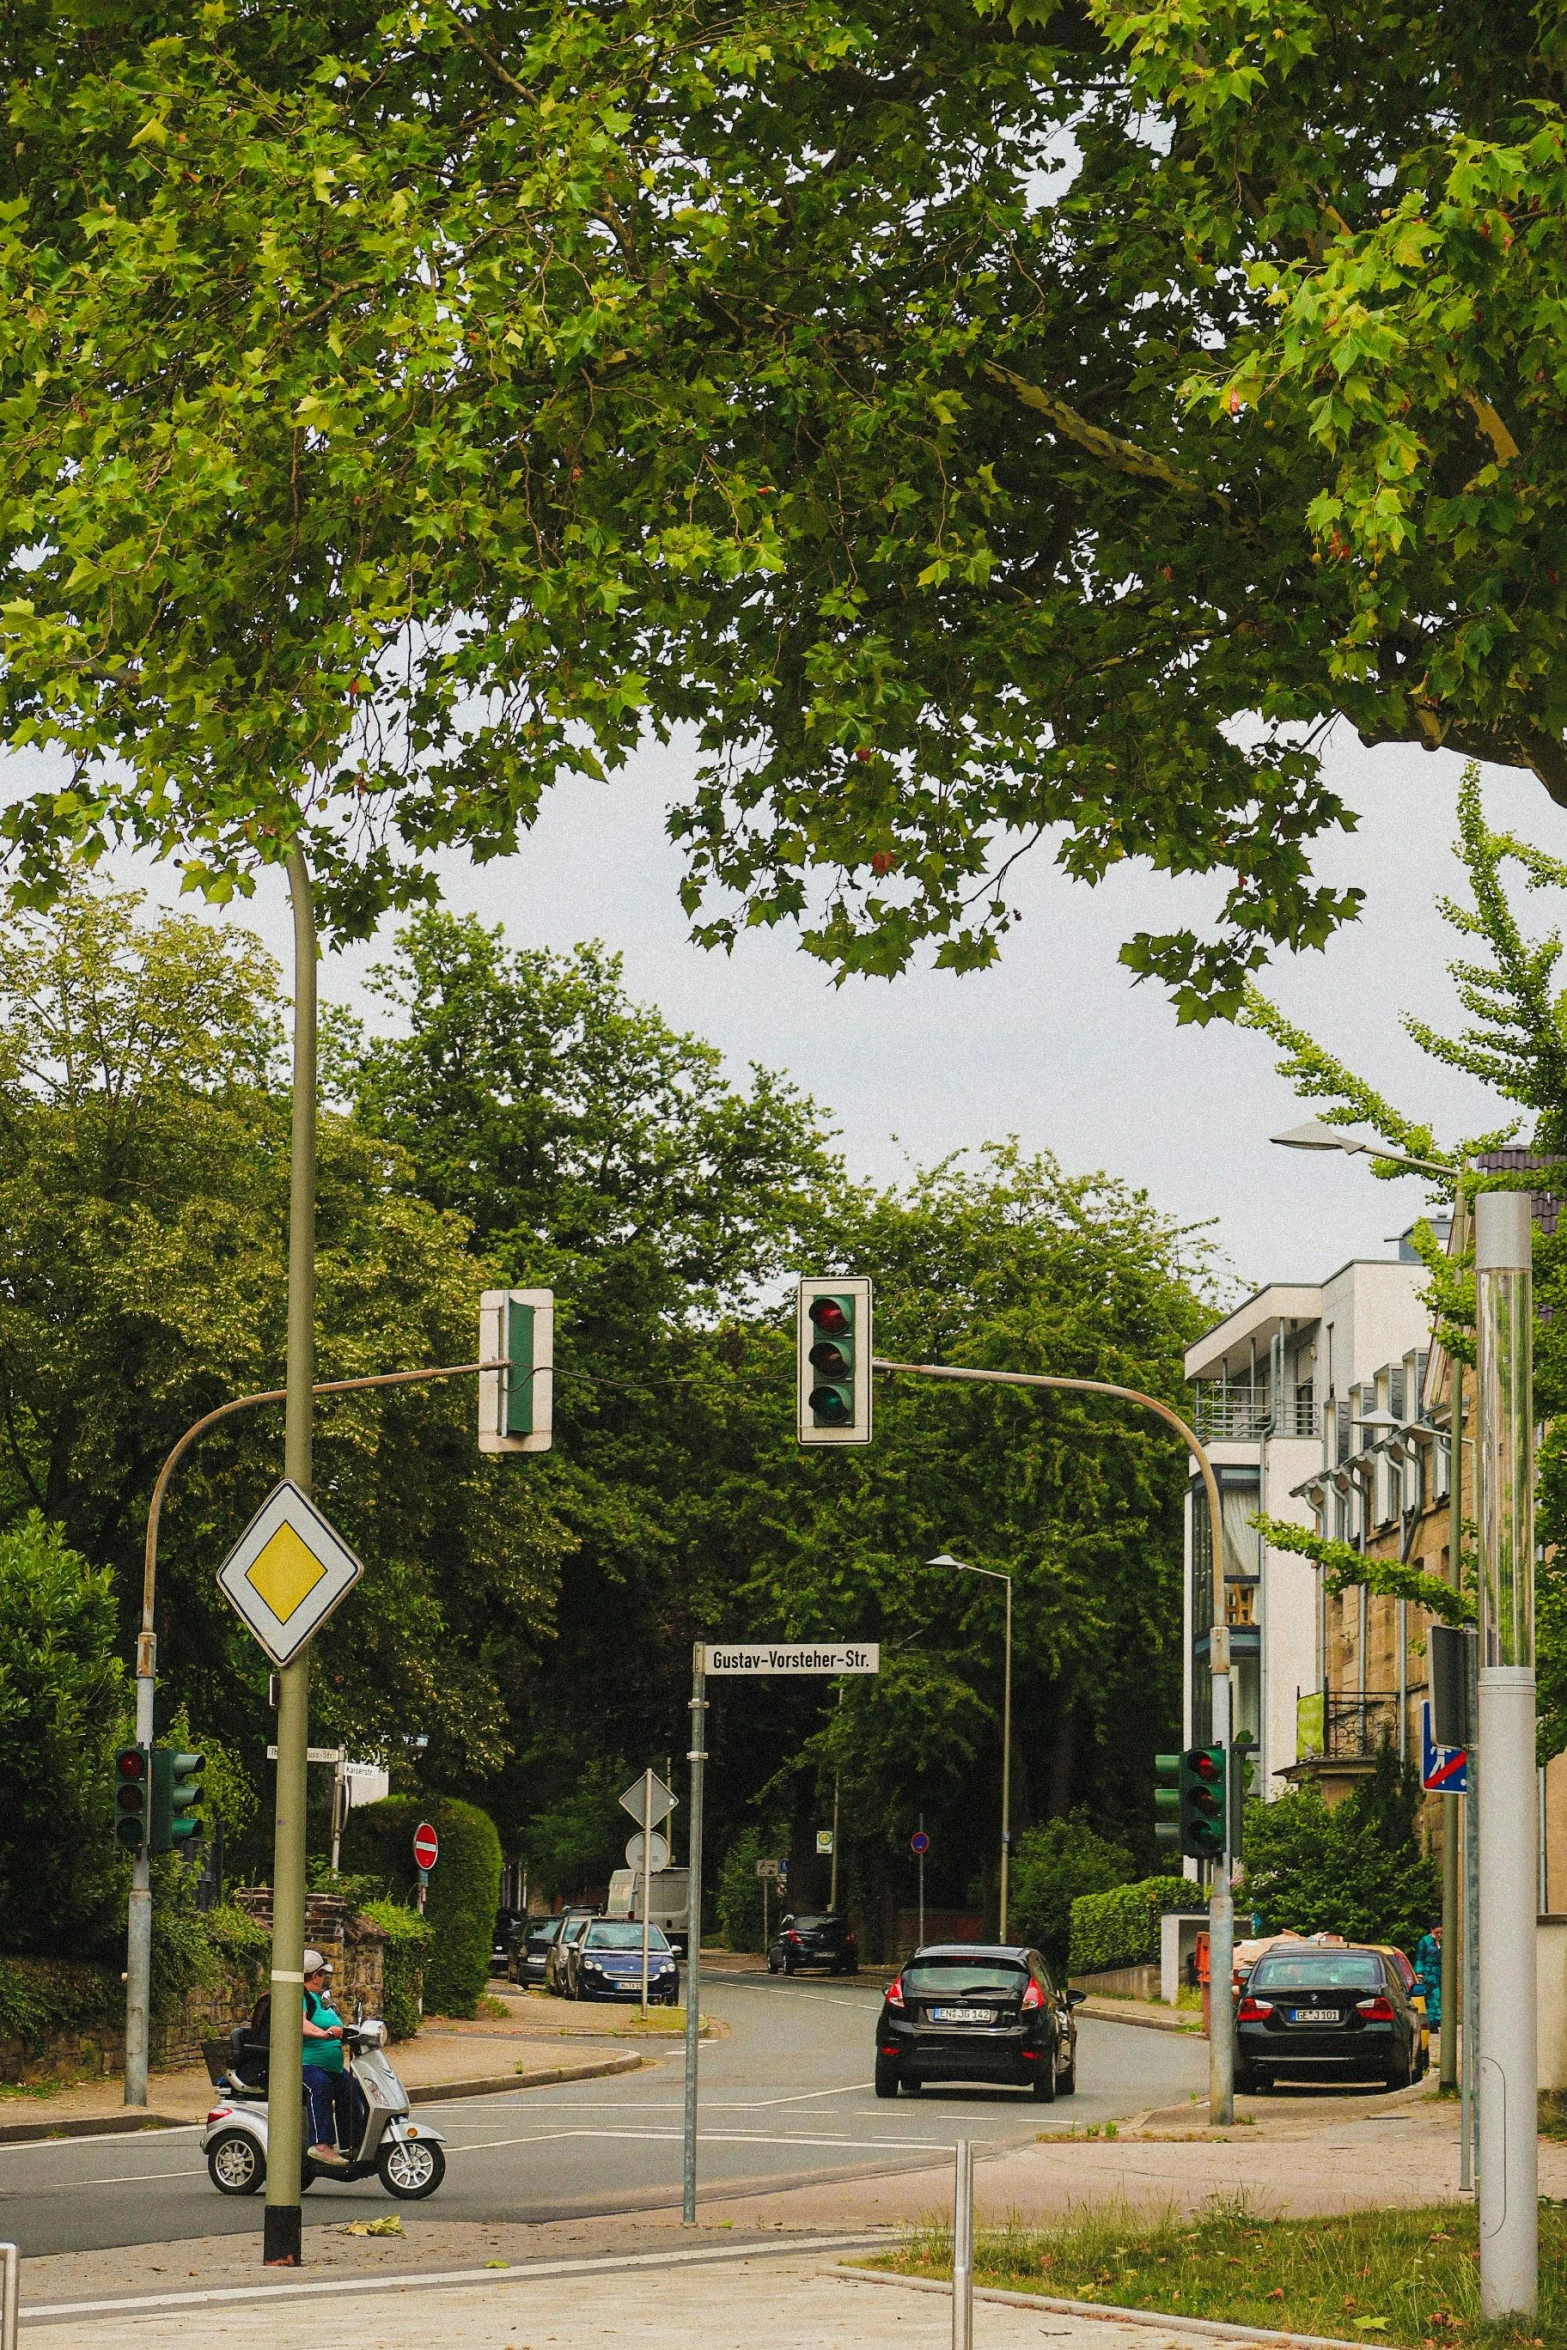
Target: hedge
403 1961
1121 1928
465 1886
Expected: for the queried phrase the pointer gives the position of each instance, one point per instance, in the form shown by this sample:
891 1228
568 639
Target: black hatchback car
966 2011
827 1941
1317 2011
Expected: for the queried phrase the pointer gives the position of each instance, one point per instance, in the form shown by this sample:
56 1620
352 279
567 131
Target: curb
126 2124
1211 2328
493 2084
1108 2011
103 2125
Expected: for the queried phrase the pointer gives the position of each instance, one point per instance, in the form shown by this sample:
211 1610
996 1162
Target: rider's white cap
315 1964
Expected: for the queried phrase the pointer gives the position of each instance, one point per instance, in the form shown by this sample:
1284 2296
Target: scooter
408 2157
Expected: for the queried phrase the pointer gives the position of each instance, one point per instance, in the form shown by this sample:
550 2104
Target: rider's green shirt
328 2054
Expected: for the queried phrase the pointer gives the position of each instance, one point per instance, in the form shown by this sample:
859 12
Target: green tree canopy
1354 1868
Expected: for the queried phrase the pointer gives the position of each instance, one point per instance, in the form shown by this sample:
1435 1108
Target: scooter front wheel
411 2168
235 2163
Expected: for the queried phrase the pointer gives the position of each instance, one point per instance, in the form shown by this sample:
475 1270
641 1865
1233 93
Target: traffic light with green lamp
1203 1801
176 1791
132 1799
833 1360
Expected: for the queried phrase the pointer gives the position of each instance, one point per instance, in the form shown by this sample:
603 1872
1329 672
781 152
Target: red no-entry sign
427 1845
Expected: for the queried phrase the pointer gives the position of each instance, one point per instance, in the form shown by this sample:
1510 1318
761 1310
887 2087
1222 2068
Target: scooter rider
326 2086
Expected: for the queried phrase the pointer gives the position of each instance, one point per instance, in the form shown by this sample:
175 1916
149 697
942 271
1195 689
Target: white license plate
1317 2015
962 2015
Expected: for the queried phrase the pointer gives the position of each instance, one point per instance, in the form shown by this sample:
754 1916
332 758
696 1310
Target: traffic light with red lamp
132 1799
833 1361
1204 1802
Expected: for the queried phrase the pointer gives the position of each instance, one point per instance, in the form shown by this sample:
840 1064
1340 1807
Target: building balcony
1355 1726
1245 1416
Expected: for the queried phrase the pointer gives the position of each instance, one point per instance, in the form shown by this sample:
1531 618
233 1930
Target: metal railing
1355 1726
1245 1415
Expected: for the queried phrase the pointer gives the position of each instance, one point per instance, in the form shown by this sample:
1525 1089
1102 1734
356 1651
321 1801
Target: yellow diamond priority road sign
287 1572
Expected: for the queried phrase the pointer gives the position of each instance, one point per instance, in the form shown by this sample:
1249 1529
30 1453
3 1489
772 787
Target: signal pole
1509 2074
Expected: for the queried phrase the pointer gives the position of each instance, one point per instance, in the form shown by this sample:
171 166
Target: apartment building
1298 1392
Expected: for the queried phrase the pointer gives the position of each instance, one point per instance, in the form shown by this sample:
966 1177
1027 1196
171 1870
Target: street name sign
788 1656
648 1798
287 1572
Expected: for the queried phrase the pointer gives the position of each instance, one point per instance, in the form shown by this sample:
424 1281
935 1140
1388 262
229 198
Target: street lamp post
996 1575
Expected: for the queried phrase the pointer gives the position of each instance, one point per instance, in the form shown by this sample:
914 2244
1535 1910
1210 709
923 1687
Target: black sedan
965 2011
828 1941
1316 2011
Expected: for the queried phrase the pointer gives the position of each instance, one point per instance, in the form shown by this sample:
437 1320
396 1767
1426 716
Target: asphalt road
786 2100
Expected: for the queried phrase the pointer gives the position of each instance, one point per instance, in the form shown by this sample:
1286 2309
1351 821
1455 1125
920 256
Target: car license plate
1316 2015
962 2015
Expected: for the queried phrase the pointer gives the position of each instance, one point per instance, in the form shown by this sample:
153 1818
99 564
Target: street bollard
10 2295
963 2248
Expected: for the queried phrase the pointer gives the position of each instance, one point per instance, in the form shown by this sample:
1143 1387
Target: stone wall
88 2040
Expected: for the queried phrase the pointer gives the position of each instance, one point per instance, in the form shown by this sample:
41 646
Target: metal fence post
10 2295
963 2248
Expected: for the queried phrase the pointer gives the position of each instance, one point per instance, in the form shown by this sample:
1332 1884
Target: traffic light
132 1788
833 1351
1167 1799
517 1401
175 1789
1203 1780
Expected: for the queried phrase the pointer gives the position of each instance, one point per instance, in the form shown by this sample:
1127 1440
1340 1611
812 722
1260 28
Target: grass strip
1409 2277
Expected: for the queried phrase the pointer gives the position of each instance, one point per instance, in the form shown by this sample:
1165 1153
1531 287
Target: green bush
39 1997
1053 1865
465 1886
409 1941
1121 1927
62 1707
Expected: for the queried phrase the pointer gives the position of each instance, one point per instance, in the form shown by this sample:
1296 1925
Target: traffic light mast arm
1221 1907
1127 1395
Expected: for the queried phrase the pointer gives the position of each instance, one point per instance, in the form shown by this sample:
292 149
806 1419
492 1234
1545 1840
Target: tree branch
1121 456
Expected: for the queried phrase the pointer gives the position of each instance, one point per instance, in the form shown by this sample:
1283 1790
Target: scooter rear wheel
235 2163
411 2168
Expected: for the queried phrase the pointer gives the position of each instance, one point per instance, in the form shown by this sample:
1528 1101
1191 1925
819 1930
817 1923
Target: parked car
966 2011
605 1962
827 1941
509 1923
1322 2012
530 1948
574 1923
1417 1999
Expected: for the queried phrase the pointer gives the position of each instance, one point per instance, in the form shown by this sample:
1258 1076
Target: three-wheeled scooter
408 2157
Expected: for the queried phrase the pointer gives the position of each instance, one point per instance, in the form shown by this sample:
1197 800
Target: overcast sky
1056 1045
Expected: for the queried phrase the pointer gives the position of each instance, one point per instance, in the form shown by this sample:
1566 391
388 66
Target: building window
1240 1603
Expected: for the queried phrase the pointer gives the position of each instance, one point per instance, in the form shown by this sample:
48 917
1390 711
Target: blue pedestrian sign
1443 1769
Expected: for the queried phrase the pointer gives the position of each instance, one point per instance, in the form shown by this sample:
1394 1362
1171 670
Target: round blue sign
919 1841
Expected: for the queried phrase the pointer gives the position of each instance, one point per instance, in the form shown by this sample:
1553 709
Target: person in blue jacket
1428 1966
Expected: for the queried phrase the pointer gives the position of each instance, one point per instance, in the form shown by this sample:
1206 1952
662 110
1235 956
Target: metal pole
285 2131
832 1885
963 2247
1006 1767
697 1757
1452 1933
1508 2073
10 2295
138 1924
921 1943
1469 2073
1221 1908
647 1874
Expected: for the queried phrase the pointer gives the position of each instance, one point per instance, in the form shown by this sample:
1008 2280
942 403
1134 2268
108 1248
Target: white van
669 1900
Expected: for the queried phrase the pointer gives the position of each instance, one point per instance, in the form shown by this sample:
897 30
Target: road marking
704 2137
525 2273
124 2178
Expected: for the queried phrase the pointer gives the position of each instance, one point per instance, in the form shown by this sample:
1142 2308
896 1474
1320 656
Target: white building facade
1282 1384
